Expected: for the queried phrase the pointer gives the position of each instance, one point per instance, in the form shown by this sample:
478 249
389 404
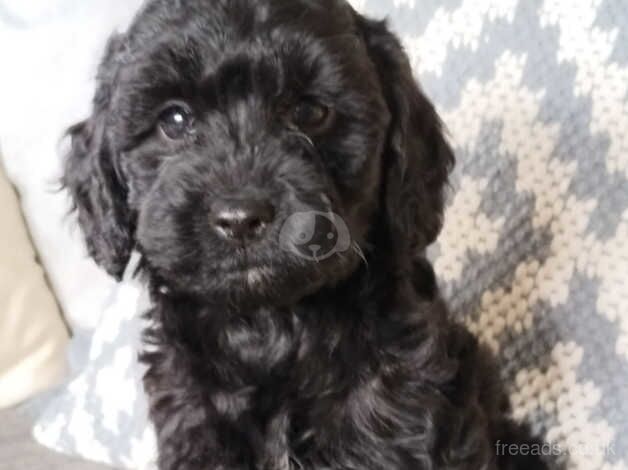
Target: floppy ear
417 159
90 176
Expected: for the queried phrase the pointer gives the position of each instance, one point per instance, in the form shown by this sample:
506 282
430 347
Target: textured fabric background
33 338
534 254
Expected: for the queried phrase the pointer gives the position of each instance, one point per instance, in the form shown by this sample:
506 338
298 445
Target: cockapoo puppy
281 174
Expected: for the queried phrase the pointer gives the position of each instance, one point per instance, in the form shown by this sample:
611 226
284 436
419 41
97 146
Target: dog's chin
273 284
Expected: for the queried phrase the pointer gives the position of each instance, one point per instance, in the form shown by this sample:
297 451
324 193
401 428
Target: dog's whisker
356 247
305 137
297 463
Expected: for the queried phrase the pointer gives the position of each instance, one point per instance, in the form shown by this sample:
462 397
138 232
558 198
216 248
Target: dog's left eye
175 121
310 116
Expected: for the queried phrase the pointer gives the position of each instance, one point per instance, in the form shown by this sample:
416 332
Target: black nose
240 220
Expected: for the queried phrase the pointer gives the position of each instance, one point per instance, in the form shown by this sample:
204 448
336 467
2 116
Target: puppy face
222 130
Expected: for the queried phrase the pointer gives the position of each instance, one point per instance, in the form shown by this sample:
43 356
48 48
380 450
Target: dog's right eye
175 122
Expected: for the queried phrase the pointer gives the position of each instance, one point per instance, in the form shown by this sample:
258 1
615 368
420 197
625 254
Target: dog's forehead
228 21
185 42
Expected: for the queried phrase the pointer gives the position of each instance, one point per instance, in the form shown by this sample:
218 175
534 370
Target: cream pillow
32 334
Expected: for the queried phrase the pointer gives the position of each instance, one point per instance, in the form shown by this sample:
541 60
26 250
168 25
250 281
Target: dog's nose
240 220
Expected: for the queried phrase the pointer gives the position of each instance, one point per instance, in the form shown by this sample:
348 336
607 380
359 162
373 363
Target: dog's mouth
254 277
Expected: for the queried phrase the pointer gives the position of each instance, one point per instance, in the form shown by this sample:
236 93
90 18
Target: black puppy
281 174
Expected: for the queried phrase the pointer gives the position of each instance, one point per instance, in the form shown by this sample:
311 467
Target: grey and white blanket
534 255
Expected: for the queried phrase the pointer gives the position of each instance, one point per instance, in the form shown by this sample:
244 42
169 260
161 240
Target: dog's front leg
275 453
187 442
193 425
194 435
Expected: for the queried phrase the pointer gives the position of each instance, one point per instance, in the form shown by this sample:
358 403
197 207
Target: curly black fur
258 358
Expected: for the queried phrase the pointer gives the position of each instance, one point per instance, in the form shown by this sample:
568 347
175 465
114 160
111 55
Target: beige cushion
33 336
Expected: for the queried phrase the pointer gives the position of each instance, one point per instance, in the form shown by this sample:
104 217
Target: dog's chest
261 345
293 384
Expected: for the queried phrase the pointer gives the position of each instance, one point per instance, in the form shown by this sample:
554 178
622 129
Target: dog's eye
310 117
175 121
